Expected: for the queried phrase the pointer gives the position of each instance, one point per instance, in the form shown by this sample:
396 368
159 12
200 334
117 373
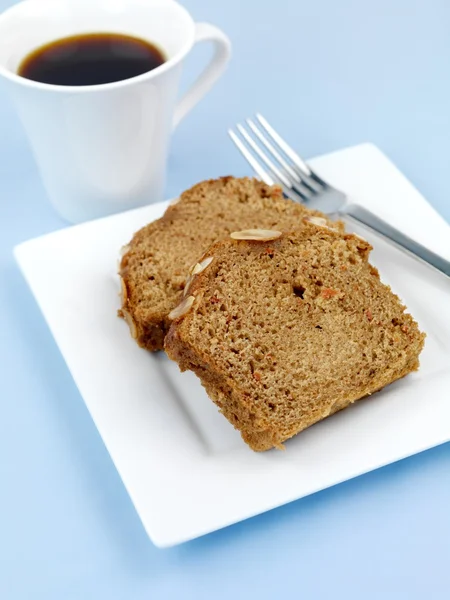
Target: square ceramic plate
185 468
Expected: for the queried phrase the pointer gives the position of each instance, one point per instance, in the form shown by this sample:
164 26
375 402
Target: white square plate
185 468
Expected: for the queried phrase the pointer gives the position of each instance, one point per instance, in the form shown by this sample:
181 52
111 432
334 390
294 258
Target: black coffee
91 59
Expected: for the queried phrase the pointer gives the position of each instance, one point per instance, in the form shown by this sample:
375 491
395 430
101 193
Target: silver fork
274 161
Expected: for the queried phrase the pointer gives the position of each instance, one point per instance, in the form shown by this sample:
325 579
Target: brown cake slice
156 261
285 332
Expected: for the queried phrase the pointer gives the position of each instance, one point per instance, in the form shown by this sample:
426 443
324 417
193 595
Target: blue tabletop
328 74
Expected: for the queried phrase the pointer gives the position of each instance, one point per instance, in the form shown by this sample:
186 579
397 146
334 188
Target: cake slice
156 261
285 329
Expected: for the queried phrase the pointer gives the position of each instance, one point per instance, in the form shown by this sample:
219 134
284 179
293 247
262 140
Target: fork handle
359 214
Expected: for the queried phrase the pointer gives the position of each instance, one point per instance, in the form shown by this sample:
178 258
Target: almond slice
206 262
256 235
319 221
187 285
195 270
182 308
360 238
124 250
201 266
123 291
131 324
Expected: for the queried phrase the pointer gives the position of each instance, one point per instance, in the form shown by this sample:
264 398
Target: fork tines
274 161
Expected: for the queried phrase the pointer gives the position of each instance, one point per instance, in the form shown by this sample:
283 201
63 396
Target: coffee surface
91 59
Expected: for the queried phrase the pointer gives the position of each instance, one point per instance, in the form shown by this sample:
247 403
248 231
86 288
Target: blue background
327 74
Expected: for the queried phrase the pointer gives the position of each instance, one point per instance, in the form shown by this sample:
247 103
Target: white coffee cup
103 148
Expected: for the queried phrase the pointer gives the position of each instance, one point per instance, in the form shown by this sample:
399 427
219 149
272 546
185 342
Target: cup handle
204 32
